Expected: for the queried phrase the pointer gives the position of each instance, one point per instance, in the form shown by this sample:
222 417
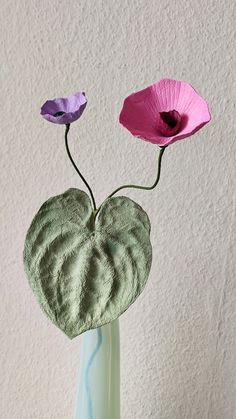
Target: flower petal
76 101
139 112
167 93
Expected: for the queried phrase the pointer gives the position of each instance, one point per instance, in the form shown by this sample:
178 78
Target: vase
98 392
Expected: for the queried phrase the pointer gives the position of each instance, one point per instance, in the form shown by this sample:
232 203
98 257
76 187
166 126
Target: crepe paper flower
64 110
167 111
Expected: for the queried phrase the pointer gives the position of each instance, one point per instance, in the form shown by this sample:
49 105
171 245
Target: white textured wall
179 338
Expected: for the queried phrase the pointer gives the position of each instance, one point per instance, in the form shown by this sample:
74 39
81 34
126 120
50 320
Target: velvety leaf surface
83 273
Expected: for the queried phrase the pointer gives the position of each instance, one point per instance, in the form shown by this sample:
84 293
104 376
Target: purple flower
64 110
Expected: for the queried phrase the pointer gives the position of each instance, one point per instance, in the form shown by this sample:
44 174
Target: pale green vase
98 394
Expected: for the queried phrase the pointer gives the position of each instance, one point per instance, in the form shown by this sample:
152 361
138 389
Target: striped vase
98 394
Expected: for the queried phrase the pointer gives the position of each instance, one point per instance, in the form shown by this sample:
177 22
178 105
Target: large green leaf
84 274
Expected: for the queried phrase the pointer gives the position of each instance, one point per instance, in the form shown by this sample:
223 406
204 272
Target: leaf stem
76 168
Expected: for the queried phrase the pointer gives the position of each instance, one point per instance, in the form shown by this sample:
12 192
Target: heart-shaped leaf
85 273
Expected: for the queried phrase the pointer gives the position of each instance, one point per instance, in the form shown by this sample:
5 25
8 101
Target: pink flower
167 111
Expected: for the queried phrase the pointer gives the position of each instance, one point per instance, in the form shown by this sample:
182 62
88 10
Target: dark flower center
169 119
169 123
59 113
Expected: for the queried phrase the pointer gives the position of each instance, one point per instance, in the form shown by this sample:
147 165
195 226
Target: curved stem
147 188
76 168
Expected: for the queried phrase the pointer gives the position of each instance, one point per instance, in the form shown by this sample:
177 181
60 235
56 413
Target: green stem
147 188
76 168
